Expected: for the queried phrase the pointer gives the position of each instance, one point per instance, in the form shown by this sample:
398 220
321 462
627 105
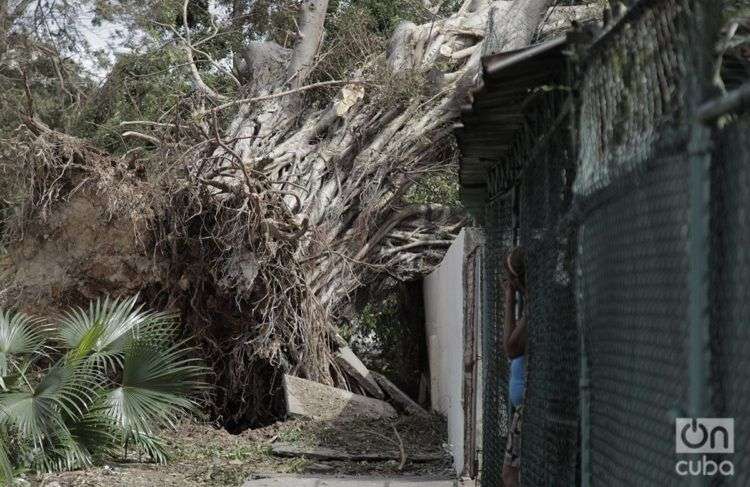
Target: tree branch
138 135
200 85
393 221
243 101
312 21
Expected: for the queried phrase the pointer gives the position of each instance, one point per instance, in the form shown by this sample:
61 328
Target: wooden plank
399 397
317 401
321 453
352 365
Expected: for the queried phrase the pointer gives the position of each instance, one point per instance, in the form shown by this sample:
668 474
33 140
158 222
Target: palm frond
38 413
152 445
119 380
20 335
85 441
109 326
6 468
155 388
95 433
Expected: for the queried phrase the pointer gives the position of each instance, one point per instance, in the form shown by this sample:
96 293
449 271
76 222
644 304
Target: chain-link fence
499 239
549 435
730 288
633 264
639 300
633 304
530 215
644 243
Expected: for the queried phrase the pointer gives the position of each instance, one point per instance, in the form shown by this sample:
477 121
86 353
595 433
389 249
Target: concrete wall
444 321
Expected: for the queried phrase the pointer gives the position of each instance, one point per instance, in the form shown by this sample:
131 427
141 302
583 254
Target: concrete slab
297 481
282 482
348 361
317 401
421 483
398 396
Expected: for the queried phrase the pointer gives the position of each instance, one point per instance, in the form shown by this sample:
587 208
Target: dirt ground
205 456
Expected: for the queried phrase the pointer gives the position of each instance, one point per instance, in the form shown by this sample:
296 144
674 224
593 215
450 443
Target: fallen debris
399 397
400 449
352 365
320 453
310 399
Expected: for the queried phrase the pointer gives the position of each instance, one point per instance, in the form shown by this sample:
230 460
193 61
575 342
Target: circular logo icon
693 428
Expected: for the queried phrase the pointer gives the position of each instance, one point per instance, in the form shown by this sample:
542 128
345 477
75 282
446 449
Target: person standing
514 342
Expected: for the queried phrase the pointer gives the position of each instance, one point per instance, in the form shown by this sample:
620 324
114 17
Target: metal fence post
702 33
698 277
584 380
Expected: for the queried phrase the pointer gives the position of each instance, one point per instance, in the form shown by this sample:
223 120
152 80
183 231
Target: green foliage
55 90
140 87
382 320
389 13
6 468
437 188
100 380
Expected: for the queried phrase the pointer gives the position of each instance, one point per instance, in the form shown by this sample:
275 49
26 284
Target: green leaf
6 468
20 335
84 442
109 326
152 445
120 379
38 414
155 385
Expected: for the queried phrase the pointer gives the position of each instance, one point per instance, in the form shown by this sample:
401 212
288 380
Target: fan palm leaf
38 414
119 379
105 330
84 441
6 468
156 382
20 335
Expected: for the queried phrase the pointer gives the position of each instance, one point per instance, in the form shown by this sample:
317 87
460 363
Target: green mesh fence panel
549 436
729 290
633 193
632 92
633 277
629 225
499 238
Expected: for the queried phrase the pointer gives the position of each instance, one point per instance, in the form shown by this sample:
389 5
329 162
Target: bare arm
514 331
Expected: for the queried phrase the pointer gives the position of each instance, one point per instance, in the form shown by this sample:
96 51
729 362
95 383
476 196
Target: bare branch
312 20
138 135
414 245
200 85
245 101
152 123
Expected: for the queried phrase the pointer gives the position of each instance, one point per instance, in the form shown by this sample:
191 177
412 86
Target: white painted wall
444 321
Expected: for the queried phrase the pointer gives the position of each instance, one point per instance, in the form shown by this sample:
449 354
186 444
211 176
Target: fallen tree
263 216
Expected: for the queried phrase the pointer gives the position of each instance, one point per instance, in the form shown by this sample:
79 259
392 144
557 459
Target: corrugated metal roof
490 123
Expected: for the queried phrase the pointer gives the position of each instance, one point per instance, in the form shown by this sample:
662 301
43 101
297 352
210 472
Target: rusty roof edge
474 188
497 62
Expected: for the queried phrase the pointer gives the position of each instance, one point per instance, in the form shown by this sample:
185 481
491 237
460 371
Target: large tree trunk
342 172
293 210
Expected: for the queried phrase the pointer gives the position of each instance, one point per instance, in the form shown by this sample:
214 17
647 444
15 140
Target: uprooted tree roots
84 224
261 228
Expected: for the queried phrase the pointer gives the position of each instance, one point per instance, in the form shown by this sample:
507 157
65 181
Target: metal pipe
735 101
698 276
584 382
703 31
585 392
